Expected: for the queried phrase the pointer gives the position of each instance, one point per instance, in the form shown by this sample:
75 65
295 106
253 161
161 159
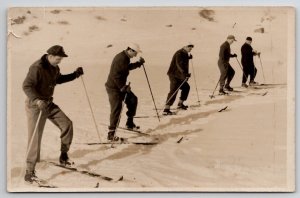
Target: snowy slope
243 147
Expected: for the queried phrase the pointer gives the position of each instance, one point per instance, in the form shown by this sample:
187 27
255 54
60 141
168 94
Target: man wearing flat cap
178 75
39 84
248 63
117 89
227 72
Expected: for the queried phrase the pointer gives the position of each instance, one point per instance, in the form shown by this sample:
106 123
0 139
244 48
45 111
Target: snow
244 148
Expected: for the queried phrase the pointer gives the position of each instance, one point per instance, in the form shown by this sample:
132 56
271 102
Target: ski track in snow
207 156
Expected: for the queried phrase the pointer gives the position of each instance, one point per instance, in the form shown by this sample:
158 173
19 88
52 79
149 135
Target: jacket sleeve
135 65
117 73
247 52
65 78
180 63
31 82
222 52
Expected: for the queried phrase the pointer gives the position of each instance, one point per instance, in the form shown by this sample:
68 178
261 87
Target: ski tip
179 140
121 178
223 109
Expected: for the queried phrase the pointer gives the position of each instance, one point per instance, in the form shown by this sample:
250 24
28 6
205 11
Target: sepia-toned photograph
151 99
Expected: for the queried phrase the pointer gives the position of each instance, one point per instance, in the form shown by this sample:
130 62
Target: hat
189 44
57 50
249 38
231 37
135 47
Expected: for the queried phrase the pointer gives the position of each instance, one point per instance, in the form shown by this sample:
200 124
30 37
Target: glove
234 55
78 72
126 88
142 60
191 56
188 75
42 104
258 54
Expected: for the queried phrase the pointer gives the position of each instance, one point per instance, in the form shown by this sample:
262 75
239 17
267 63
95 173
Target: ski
41 183
44 184
219 95
133 130
85 172
223 109
154 116
124 141
173 113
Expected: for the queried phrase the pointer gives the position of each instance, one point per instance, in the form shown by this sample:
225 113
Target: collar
45 62
125 51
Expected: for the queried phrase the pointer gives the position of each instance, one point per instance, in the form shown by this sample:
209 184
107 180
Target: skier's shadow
141 149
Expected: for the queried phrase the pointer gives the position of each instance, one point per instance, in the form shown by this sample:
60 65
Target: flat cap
249 38
190 44
231 37
135 47
57 50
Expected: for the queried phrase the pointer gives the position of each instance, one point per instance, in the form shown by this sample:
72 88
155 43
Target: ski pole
241 67
151 93
262 68
34 132
30 142
195 81
88 99
175 92
212 96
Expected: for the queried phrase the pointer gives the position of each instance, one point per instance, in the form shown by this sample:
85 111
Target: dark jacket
247 55
179 67
42 78
225 54
119 71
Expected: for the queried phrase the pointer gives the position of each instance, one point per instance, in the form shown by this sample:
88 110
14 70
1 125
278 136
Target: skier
117 89
178 74
247 62
227 72
39 84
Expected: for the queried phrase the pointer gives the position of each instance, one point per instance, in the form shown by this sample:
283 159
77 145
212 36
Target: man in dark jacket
39 86
227 72
117 89
178 75
247 62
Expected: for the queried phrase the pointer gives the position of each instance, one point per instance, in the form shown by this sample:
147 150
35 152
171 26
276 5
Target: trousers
115 100
249 70
174 85
227 73
57 117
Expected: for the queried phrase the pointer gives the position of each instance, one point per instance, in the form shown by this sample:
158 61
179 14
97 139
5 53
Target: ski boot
168 112
64 159
182 106
130 124
30 176
253 83
222 92
111 136
228 88
244 85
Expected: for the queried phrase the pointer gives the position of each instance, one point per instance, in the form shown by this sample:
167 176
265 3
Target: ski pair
82 171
